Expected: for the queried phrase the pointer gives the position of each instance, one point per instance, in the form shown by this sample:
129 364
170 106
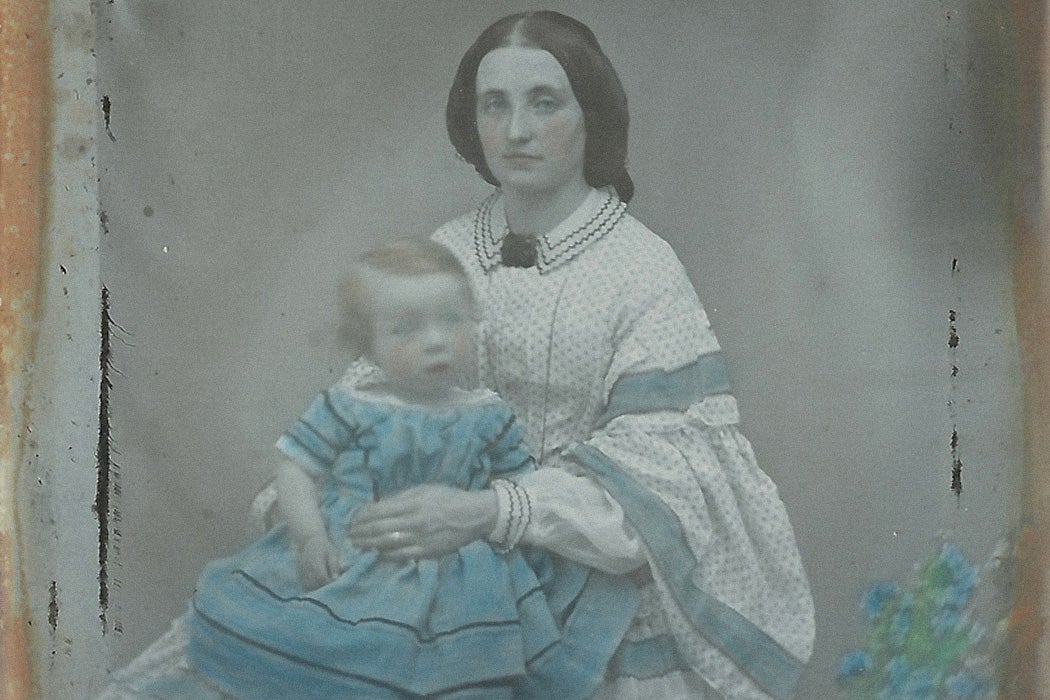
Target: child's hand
319 562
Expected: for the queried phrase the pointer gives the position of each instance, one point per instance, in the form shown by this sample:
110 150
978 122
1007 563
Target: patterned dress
607 358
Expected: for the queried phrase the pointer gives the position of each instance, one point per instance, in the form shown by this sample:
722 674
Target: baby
303 613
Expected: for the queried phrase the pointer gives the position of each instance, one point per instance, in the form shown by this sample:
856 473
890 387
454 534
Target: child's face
423 333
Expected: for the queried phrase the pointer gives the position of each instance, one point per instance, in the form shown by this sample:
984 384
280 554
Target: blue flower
899 670
964 574
919 685
963 685
946 620
854 664
955 597
952 555
876 597
900 625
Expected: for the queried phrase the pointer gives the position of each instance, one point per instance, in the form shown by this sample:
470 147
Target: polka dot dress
608 300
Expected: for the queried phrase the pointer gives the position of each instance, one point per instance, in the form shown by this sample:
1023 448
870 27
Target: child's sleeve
507 452
315 440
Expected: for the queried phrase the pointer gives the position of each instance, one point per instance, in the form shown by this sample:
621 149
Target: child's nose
435 337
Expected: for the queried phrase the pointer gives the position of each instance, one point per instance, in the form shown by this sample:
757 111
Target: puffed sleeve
315 440
668 450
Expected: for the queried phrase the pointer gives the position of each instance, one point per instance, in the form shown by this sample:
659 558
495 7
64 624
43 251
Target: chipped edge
23 111
1027 672
24 163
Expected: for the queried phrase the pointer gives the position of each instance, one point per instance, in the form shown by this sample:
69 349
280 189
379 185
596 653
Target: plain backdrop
835 175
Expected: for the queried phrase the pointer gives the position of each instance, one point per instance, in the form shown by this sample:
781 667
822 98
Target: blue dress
474 623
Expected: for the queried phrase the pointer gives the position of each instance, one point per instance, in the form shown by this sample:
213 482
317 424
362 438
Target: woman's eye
545 105
493 104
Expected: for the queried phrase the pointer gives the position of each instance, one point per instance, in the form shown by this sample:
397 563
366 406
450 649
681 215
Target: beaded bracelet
512 517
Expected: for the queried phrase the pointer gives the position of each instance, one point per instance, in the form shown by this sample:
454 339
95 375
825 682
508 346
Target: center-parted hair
594 82
409 257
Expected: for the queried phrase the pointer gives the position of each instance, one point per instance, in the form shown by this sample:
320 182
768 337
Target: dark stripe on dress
497 683
321 436
393 623
535 657
331 408
504 430
322 459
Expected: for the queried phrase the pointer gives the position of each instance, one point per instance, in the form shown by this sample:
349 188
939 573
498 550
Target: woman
594 335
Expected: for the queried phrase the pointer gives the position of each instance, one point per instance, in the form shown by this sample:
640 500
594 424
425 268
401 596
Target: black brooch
518 250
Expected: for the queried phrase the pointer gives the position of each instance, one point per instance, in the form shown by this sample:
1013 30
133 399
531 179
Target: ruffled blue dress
474 623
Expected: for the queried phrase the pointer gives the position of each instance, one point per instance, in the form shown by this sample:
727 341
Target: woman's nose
519 124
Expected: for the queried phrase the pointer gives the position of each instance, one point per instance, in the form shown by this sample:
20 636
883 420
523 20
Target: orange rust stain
1025 675
14 659
24 160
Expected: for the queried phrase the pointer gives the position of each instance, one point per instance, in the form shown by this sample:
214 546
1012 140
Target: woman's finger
381 528
387 540
414 551
391 507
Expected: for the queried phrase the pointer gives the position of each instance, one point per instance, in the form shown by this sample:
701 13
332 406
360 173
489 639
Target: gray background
817 168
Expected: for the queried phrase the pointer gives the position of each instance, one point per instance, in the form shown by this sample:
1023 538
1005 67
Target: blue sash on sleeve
757 654
667 391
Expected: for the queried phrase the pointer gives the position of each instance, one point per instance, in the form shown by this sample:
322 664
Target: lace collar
594 218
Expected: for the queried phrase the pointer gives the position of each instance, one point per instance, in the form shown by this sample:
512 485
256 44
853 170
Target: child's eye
404 328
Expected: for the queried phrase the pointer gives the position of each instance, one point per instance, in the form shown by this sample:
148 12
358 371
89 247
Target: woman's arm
570 515
575 517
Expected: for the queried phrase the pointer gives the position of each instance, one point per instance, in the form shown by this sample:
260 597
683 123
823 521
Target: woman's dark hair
594 83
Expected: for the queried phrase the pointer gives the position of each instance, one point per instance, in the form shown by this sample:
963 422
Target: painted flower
964 574
876 597
854 664
946 620
919 685
898 671
900 625
922 633
965 686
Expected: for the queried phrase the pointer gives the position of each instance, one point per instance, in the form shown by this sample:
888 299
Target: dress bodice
555 337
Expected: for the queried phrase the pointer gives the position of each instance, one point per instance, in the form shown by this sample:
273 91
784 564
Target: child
302 613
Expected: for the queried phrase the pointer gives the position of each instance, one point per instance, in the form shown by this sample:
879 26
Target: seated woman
593 334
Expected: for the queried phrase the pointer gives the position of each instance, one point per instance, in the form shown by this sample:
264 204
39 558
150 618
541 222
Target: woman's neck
534 214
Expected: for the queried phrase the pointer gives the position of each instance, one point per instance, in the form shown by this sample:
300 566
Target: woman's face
530 125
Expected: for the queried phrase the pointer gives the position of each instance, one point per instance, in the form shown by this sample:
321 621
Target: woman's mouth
520 158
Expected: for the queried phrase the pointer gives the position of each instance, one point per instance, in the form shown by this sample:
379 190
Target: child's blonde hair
407 257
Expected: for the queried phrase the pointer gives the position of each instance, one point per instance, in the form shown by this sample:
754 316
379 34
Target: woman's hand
319 562
424 522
